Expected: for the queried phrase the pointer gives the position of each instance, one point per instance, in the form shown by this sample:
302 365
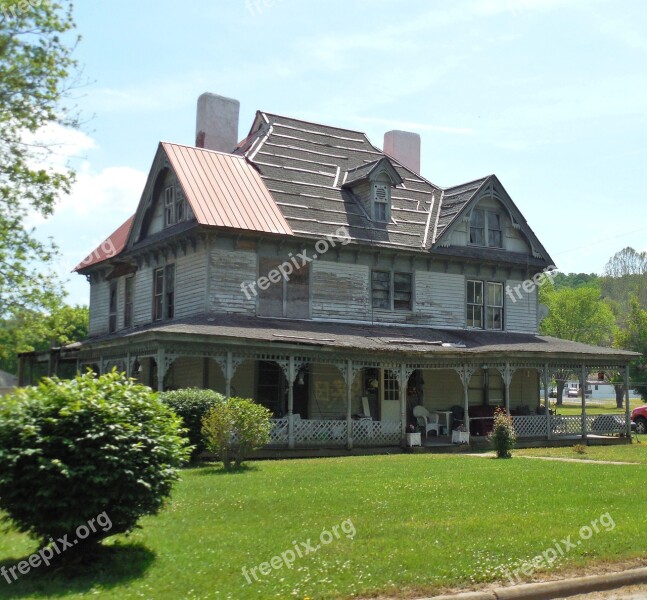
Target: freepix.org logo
294 263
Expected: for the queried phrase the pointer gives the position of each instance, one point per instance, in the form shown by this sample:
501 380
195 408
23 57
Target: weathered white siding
340 291
520 312
229 269
440 297
143 308
99 308
190 284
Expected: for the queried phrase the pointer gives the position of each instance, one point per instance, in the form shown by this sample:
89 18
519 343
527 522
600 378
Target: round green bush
74 449
192 404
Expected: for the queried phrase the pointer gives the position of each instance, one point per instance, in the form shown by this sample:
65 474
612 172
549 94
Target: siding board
520 313
340 291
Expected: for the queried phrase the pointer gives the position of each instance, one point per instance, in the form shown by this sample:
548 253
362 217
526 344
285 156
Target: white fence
334 433
537 425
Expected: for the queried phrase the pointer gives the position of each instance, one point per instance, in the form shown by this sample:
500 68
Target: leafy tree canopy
36 65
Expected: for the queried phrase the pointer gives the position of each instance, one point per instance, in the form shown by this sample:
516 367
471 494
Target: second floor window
164 293
112 318
485 305
280 296
485 228
128 300
391 291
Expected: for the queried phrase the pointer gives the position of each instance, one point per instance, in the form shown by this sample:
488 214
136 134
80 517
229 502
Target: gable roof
458 200
363 172
223 190
111 246
303 165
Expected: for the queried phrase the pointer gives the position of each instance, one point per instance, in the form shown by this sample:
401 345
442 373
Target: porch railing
320 432
562 425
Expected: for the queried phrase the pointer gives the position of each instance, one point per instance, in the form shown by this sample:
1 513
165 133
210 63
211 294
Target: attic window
174 206
381 202
485 228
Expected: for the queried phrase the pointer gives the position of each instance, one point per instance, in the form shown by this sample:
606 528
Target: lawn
420 522
634 453
573 406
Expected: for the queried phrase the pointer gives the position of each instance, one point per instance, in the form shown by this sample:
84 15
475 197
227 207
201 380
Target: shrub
579 449
192 404
235 427
74 449
503 436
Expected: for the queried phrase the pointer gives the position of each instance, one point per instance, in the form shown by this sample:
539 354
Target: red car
639 417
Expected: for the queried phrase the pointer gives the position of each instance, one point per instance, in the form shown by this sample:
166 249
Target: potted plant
413 436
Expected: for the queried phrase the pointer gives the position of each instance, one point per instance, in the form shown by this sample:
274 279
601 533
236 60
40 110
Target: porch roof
443 343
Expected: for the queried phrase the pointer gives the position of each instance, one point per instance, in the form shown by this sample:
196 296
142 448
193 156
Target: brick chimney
404 146
216 126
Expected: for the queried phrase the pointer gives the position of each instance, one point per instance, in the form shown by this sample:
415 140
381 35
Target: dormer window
381 202
169 206
485 228
174 206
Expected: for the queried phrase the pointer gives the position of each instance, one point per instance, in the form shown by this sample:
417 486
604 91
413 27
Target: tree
36 65
234 427
29 330
71 450
577 314
625 274
626 262
634 337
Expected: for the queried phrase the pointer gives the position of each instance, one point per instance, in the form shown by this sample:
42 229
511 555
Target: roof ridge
481 179
270 114
230 154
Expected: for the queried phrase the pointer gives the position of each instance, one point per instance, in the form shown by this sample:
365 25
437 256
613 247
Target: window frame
384 204
113 301
391 300
489 216
484 306
169 205
288 287
164 293
129 297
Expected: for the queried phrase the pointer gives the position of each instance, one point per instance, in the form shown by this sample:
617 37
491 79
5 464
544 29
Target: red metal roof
110 247
224 190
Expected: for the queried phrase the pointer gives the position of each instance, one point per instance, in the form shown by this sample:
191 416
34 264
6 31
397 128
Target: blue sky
551 95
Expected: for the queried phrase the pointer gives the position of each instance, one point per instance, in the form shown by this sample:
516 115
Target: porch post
583 391
466 397
403 403
161 371
349 402
291 376
506 381
547 402
228 373
627 409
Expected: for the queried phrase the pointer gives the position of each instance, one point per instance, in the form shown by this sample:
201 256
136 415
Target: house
8 383
331 281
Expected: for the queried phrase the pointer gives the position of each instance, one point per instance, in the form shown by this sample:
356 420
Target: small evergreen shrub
234 427
74 449
192 404
503 436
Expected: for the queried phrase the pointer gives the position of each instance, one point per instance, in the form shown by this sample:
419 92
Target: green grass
422 522
634 453
573 406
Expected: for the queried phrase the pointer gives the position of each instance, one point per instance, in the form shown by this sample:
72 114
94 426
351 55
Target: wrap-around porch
335 399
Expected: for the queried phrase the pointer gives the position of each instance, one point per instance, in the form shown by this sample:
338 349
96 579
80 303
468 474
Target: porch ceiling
440 343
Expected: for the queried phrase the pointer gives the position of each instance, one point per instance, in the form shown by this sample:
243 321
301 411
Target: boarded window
128 301
381 289
158 294
112 320
402 291
283 296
